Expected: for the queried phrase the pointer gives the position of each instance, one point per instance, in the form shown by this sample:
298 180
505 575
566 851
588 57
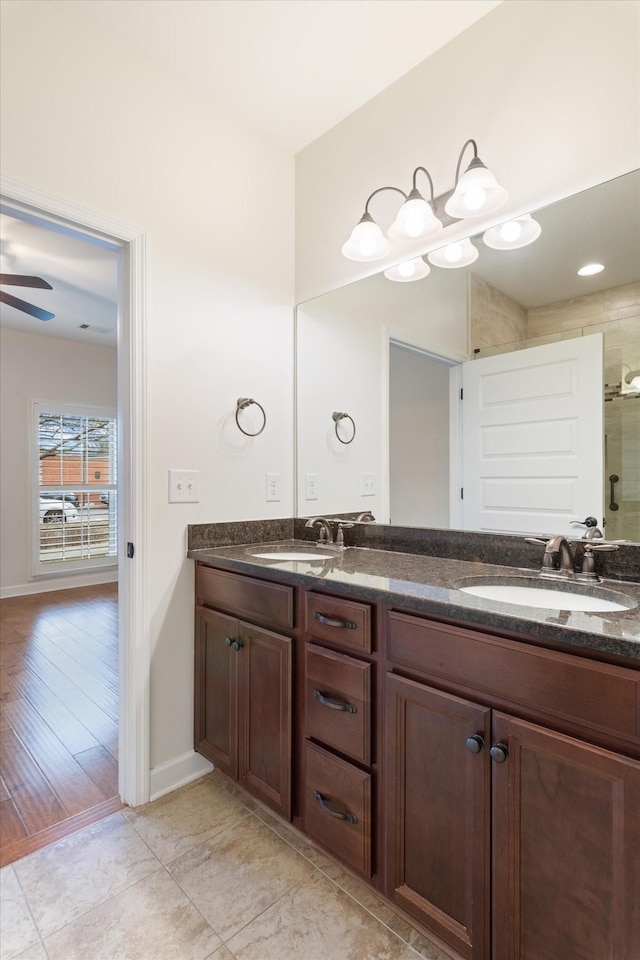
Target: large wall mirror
389 356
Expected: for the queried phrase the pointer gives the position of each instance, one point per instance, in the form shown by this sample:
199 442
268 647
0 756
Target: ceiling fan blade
19 280
29 308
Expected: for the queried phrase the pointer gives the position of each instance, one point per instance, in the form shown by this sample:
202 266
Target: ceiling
241 56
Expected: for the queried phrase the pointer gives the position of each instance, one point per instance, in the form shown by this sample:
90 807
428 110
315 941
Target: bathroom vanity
476 762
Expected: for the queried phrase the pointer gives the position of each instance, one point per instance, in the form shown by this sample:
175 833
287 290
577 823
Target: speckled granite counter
431 585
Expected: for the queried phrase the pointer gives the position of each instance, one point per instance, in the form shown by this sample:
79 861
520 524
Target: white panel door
532 435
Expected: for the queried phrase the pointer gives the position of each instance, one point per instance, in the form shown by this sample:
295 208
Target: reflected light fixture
513 233
408 270
460 253
590 269
476 192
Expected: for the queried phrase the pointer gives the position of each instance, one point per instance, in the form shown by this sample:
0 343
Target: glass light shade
460 253
408 270
415 221
367 242
477 192
513 233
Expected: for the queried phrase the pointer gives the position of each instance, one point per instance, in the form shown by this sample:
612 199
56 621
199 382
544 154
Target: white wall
85 119
39 368
418 440
550 90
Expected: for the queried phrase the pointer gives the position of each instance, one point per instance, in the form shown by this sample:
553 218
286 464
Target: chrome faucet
592 530
326 533
557 547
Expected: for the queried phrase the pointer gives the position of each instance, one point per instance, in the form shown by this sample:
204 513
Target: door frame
133 619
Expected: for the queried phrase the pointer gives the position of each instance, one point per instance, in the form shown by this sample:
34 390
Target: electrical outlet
311 486
184 486
273 486
367 484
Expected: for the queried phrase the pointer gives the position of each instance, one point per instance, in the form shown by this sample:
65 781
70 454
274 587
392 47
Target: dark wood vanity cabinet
507 838
244 687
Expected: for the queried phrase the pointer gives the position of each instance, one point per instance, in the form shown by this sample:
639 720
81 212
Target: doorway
133 624
419 438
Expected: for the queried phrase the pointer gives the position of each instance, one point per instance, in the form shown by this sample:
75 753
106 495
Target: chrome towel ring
242 404
337 417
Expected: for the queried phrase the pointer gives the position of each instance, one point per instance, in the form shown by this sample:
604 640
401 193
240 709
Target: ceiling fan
17 280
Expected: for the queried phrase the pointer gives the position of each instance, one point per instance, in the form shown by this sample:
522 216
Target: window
75 506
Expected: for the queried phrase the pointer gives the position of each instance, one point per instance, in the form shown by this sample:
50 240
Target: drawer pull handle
332 622
335 704
349 817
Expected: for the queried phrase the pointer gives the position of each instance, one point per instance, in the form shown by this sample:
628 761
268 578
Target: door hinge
130 550
461 392
462 493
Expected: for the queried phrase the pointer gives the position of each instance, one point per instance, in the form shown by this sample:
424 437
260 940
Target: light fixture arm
381 190
476 162
414 191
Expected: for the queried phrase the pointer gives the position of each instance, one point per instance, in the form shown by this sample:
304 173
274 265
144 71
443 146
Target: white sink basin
274 551
547 599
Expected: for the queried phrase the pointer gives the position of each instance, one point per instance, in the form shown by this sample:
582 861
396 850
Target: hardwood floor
58 715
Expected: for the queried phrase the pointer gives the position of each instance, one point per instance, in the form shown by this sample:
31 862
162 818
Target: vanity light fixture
513 233
476 193
590 269
460 253
408 270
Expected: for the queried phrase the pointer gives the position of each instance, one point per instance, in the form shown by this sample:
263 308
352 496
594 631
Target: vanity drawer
245 597
595 696
338 702
337 807
343 622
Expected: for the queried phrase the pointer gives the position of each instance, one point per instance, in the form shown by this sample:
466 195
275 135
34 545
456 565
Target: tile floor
201 874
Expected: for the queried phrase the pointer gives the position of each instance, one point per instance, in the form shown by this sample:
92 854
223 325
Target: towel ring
242 404
343 416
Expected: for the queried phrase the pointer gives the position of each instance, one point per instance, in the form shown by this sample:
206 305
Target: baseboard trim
58 583
175 773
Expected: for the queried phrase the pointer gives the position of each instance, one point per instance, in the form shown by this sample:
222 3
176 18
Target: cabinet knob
228 641
238 644
499 752
475 743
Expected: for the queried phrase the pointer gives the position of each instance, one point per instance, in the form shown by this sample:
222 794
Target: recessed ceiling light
590 268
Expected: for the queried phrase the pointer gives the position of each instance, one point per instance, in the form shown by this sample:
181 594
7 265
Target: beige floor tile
151 921
221 954
17 929
317 921
183 819
36 952
72 876
234 876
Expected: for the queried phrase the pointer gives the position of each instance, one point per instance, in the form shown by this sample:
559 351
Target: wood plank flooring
58 715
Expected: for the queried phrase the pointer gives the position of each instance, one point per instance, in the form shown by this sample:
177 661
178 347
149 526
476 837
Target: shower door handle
613 479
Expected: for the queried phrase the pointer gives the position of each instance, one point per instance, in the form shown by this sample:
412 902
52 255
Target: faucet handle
535 540
340 535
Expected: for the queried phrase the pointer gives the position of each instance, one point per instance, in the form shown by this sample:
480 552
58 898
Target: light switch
184 486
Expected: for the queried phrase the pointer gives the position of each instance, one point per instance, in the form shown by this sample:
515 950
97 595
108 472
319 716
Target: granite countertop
430 585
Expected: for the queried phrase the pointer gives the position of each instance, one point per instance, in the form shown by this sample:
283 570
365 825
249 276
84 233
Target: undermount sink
286 551
560 596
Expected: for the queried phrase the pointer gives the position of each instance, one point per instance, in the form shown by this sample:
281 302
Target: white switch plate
311 486
184 486
273 486
367 484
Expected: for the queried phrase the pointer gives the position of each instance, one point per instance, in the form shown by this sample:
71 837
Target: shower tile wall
615 313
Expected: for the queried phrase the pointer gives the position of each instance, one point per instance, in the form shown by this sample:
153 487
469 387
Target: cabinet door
265 716
566 829
437 812
216 690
